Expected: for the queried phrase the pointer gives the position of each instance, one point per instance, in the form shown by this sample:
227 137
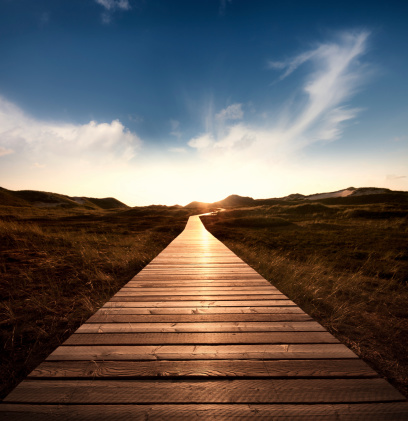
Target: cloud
175 125
223 6
335 75
178 150
112 6
39 140
44 18
136 118
292 64
233 112
5 151
392 177
202 142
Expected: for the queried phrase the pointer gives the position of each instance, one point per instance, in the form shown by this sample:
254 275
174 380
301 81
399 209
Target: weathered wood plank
395 411
202 327
201 303
147 338
194 318
211 368
169 288
210 391
169 298
198 263
197 284
199 276
201 310
201 352
195 291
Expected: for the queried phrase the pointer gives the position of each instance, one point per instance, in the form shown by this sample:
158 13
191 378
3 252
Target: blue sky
173 101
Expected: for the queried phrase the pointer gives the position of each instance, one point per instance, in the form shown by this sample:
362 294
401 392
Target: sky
167 102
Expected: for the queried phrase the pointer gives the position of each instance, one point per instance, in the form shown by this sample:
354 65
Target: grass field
58 266
344 261
344 264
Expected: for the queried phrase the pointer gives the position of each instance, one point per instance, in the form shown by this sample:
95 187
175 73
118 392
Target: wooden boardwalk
198 334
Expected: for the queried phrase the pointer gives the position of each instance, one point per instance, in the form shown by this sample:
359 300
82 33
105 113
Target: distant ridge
53 200
351 194
351 191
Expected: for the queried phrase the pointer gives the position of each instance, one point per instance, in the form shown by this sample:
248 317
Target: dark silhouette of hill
47 199
106 203
351 195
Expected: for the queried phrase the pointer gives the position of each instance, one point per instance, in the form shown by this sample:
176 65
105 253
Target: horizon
152 102
224 198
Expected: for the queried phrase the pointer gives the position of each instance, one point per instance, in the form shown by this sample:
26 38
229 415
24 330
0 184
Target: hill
351 195
51 200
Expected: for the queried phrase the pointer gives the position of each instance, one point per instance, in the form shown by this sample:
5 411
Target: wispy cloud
175 128
41 141
232 112
223 6
393 177
110 7
292 64
5 151
44 19
136 118
336 73
178 150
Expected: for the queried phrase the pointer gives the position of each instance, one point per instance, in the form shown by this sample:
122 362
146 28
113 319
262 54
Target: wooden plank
222 260
396 411
194 318
195 284
211 368
132 292
168 298
199 274
201 303
212 391
201 327
198 287
201 352
128 291
216 272
201 310
148 338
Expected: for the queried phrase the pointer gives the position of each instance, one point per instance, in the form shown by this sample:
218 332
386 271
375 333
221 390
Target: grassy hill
351 195
50 200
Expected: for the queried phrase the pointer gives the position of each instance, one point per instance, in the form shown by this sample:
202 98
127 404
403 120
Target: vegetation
345 262
58 265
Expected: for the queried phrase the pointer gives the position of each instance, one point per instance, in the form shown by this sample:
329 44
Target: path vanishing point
198 334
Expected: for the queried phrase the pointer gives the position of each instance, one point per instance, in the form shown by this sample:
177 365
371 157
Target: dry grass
57 267
347 266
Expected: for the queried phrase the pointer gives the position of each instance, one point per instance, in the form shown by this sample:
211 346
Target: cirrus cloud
111 6
232 112
337 73
114 4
